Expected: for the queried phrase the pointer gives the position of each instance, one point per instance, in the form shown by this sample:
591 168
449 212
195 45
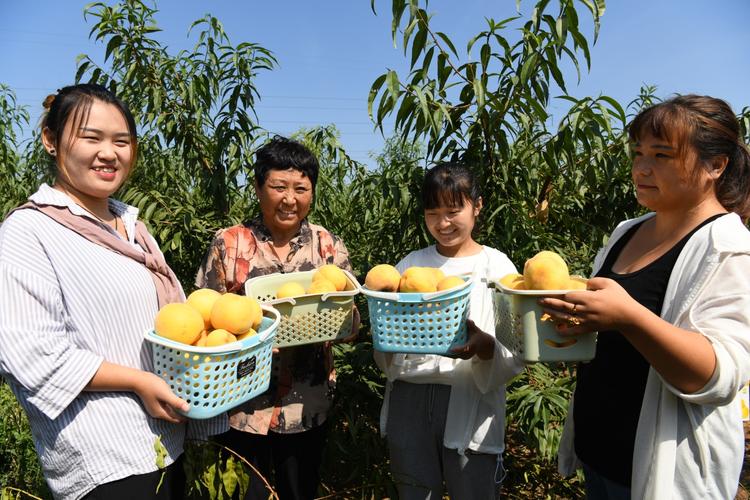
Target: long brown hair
708 128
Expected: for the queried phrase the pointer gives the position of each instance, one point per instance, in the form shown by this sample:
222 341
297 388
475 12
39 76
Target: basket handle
381 295
424 296
432 295
285 300
276 319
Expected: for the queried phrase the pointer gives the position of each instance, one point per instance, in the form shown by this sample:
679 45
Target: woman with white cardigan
654 414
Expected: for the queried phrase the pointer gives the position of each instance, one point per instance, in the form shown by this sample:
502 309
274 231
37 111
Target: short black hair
281 153
449 184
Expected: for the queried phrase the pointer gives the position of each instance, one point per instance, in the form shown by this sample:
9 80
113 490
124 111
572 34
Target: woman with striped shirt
80 281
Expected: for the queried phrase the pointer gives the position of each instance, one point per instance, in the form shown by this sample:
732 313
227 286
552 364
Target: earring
52 151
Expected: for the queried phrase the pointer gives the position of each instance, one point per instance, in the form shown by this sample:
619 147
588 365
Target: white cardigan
691 446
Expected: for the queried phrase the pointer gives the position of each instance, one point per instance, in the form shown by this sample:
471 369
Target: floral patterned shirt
303 378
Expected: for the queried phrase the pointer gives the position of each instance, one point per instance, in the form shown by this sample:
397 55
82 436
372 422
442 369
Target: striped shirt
66 305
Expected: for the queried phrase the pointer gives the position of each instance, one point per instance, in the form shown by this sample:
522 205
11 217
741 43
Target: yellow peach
235 313
449 282
203 300
180 322
290 289
219 337
546 271
332 273
321 285
383 278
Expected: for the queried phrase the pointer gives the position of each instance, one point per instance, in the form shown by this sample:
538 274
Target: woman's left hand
158 398
479 343
605 305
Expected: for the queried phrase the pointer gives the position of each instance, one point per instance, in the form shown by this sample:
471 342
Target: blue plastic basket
215 379
423 323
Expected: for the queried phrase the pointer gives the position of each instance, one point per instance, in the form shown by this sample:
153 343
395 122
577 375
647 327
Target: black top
609 389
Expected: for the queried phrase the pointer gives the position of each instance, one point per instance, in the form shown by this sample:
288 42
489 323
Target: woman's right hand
605 305
158 398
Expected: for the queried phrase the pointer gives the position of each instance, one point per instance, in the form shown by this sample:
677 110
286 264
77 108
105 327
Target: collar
303 234
47 195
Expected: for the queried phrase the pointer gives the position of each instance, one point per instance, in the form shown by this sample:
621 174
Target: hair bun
48 101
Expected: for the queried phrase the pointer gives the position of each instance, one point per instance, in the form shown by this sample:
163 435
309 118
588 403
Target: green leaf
580 42
443 70
150 210
397 10
447 41
479 91
423 103
408 30
484 56
561 30
393 86
418 44
472 41
529 65
597 8
161 452
113 44
617 107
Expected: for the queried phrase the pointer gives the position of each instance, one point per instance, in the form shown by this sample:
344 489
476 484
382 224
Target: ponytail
709 127
733 187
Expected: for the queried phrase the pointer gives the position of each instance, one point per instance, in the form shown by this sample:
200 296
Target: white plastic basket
309 318
519 327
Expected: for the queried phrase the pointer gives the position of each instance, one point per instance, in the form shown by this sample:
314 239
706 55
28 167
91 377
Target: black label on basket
245 367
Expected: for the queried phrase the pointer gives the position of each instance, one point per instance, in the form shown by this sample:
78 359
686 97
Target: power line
44 33
308 122
262 96
320 98
259 106
264 106
39 42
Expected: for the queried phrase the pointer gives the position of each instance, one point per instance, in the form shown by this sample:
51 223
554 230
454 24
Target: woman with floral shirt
282 431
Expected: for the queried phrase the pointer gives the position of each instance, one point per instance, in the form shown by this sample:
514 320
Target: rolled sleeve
723 317
491 374
35 348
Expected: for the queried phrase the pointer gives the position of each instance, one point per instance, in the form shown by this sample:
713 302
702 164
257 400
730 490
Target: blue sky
330 51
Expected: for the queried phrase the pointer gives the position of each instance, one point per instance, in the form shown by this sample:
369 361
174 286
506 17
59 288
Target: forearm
487 347
683 358
113 377
157 397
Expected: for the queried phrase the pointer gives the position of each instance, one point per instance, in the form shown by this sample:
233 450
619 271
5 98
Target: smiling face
451 226
662 180
94 156
285 198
